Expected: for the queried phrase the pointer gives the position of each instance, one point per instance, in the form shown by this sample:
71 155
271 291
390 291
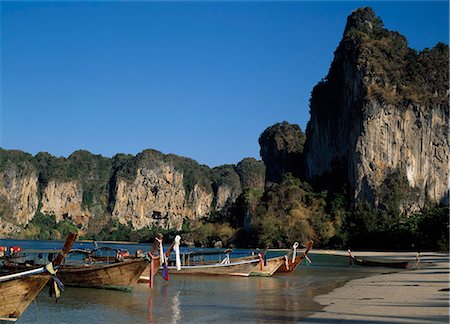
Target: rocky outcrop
157 197
64 200
382 109
251 173
146 190
224 195
18 191
226 185
18 196
281 150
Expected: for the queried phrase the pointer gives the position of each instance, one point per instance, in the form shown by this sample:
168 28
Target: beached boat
17 293
266 268
292 260
18 290
376 263
195 264
122 272
199 263
119 275
241 268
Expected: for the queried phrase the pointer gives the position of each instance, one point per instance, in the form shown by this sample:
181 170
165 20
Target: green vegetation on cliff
126 167
282 151
17 161
272 203
45 227
291 211
402 75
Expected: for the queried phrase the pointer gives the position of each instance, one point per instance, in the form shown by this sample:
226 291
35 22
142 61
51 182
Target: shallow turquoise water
190 299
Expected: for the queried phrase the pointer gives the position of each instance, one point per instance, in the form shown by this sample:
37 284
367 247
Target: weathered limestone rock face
383 108
19 196
227 186
201 202
224 195
251 173
64 200
156 197
149 189
410 140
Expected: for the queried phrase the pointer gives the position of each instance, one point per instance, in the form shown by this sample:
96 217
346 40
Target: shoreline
414 295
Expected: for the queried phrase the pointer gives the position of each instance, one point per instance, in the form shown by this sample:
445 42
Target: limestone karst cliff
90 191
18 192
378 133
281 150
382 112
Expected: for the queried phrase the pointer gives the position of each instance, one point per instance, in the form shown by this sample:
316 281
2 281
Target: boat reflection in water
170 312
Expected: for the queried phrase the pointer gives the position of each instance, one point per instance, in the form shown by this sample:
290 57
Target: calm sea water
190 299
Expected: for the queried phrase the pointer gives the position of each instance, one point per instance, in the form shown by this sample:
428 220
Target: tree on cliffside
291 211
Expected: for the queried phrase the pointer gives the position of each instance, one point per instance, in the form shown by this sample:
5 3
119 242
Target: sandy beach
416 295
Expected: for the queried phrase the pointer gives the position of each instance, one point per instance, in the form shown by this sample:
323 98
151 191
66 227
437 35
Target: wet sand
416 295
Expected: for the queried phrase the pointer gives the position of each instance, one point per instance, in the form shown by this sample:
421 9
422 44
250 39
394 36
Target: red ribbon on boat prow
15 249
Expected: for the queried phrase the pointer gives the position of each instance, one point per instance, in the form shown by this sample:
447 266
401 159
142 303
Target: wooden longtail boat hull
18 290
120 276
290 266
369 263
272 265
16 295
241 268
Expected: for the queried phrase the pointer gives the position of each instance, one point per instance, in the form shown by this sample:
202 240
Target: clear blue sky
197 79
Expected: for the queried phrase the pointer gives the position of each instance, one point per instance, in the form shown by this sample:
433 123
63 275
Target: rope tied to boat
176 247
57 286
294 253
286 262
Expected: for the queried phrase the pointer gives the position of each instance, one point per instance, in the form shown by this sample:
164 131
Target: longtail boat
185 264
18 290
241 268
292 261
119 275
373 263
266 268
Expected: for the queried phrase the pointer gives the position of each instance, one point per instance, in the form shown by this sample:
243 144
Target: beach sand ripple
417 295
